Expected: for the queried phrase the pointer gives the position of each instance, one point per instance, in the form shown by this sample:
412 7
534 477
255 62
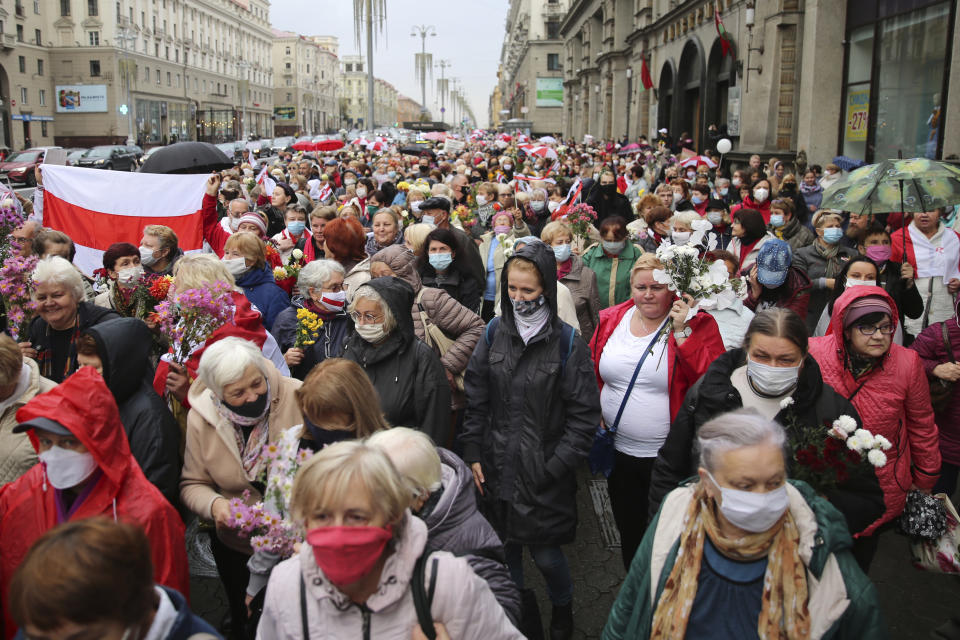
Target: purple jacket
929 345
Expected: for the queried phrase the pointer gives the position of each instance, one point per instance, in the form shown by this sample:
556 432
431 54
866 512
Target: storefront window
857 99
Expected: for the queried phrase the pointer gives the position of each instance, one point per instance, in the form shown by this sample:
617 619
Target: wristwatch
683 334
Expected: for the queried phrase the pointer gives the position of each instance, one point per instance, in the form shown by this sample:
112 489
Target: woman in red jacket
646 354
888 386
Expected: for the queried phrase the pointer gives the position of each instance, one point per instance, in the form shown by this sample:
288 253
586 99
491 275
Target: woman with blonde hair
356 569
572 272
415 235
245 257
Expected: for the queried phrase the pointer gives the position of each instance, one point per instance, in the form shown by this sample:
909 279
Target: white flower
688 250
661 276
853 442
864 435
877 458
297 254
701 225
786 402
846 424
712 241
882 442
501 237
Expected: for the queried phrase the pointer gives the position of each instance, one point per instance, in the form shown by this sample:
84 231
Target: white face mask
146 257
372 333
415 206
860 283
553 206
481 200
66 468
129 275
427 219
760 195
772 381
715 217
677 197
361 192
235 266
750 511
234 223
681 237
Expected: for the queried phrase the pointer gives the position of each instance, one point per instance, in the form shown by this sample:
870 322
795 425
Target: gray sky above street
469 35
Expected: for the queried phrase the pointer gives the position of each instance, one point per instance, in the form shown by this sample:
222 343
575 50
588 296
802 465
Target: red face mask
346 554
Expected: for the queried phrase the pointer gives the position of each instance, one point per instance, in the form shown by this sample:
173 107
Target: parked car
282 143
136 151
149 152
74 153
19 167
109 156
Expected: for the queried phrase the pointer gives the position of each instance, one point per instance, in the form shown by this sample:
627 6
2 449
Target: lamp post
423 31
243 66
443 64
127 35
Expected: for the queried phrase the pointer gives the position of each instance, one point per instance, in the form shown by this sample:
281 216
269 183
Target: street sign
123 109
443 109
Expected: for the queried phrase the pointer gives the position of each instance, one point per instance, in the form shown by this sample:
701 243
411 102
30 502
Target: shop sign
858 112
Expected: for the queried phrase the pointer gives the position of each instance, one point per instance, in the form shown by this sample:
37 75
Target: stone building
853 78
353 96
408 110
307 77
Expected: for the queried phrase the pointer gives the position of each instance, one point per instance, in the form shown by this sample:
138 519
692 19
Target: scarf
788 230
806 189
564 268
783 608
859 365
252 453
45 355
829 253
932 261
529 326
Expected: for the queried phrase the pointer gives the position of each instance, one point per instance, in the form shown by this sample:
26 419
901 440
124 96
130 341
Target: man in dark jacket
607 202
438 208
860 499
119 349
405 371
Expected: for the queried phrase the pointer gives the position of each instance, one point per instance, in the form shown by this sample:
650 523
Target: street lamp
125 35
423 31
243 66
443 64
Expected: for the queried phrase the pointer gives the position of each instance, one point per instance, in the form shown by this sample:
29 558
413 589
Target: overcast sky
469 35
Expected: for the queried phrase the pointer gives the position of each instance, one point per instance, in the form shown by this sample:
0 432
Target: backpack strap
491 331
423 598
304 624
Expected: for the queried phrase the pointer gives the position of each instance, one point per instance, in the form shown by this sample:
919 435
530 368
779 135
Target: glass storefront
895 79
162 122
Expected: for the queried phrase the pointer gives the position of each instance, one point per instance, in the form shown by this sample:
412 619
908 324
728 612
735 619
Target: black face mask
253 409
230 195
424 167
324 437
608 189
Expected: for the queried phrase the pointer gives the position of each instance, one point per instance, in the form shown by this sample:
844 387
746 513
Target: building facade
530 81
852 78
353 96
307 76
408 109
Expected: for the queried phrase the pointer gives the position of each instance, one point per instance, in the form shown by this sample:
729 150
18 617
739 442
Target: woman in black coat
532 407
606 201
441 265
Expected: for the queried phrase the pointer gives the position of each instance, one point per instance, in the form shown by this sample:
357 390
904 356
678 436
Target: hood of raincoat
842 303
545 260
398 295
124 347
402 262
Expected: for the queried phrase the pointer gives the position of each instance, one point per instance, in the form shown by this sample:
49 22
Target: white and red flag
97 208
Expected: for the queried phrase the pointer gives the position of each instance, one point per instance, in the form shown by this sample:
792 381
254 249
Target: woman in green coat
612 260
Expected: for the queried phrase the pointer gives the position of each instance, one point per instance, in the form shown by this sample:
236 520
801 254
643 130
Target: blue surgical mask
832 235
296 227
697 199
428 220
562 252
776 220
723 191
614 246
441 261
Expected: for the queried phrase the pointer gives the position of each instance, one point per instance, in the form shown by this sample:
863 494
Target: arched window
665 97
721 75
688 96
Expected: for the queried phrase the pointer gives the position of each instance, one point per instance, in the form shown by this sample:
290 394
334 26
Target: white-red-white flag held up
97 208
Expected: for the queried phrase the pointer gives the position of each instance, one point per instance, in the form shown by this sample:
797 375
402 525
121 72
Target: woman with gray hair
320 285
238 404
745 553
62 315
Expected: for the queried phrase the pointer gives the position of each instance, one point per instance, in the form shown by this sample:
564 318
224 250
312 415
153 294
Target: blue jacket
329 343
264 293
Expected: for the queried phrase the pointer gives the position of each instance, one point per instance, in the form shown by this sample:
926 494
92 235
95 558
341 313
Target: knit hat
773 263
863 307
254 218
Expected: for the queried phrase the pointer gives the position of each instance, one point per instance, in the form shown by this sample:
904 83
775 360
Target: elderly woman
356 570
320 285
319 218
822 261
408 375
238 404
61 317
749 233
773 365
744 568
888 386
611 260
647 354
445 499
121 262
578 278
159 249
295 235
283 196
344 242
244 256
758 199
657 220
442 265
492 252
387 230
531 413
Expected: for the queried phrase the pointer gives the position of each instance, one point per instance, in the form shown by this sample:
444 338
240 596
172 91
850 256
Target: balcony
19 11
553 10
8 41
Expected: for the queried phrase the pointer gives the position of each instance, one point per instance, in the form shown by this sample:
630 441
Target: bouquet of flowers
139 300
826 455
192 317
266 530
507 244
687 272
465 216
15 286
308 326
11 217
291 269
580 218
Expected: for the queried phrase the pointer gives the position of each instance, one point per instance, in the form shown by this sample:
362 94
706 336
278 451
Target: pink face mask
501 228
347 554
879 252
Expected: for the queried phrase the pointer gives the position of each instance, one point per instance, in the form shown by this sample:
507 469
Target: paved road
913 602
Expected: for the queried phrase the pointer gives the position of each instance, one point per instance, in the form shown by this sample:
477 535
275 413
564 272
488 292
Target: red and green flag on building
725 45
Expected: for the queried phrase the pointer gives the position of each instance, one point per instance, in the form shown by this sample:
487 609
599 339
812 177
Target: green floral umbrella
911 186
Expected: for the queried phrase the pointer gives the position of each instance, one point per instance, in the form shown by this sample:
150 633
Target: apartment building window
22 60
143 19
37 37
169 79
94 37
23 95
19 33
176 81
349 68
146 74
287 66
119 13
43 98
156 50
154 23
553 30
553 62
94 68
64 7
167 52
289 82
43 128
289 97
36 7
39 67
158 76
176 55
93 7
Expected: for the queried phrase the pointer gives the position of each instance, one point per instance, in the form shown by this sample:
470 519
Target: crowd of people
421 350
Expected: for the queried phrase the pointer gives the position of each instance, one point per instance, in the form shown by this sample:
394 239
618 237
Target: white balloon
724 145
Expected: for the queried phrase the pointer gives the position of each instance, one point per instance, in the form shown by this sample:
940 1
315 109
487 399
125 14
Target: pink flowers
267 531
15 286
192 317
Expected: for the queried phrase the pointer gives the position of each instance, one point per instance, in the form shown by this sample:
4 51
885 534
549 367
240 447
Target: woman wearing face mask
786 226
295 235
531 410
86 470
788 191
658 228
773 365
282 197
238 404
502 234
748 235
577 277
681 195
831 175
538 204
758 199
611 260
244 256
896 278
857 272
440 265
387 231
345 242
888 385
718 215
640 394
355 569
744 533
408 375
320 284
680 226
699 198
773 281
348 179
121 262
812 193
607 201
822 261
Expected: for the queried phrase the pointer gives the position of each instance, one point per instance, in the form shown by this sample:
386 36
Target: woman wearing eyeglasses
888 386
407 374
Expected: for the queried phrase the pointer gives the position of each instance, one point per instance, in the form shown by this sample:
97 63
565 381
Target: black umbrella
418 151
187 157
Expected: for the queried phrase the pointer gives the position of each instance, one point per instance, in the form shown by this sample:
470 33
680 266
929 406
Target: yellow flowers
308 327
279 273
